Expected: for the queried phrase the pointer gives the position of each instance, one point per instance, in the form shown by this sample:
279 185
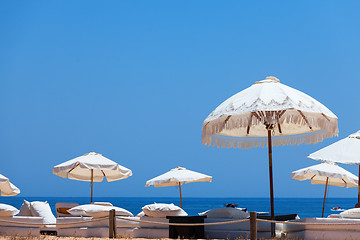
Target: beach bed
89 227
239 230
21 226
326 228
32 220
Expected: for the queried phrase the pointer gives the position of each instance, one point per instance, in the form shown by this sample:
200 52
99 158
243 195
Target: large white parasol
92 167
7 188
268 108
177 177
345 151
328 174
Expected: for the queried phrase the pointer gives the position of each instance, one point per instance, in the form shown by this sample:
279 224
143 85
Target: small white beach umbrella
177 177
346 151
92 167
268 113
7 188
328 174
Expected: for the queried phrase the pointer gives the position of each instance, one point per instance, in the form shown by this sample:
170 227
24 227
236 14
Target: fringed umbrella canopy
326 174
268 108
345 151
92 167
177 177
239 121
318 174
7 188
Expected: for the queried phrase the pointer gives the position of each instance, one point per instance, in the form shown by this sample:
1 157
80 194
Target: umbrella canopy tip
92 153
178 168
269 79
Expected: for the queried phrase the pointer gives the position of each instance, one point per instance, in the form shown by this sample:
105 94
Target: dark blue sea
304 207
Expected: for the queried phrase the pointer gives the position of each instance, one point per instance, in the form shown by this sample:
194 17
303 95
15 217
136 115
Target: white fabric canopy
240 121
80 169
326 174
318 174
7 188
178 176
92 167
345 151
268 113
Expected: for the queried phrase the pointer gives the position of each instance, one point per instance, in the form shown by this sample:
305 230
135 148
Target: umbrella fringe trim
246 143
317 121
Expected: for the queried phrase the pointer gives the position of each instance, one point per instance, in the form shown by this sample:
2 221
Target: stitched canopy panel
244 117
320 172
80 169
345 151
176 176
7 188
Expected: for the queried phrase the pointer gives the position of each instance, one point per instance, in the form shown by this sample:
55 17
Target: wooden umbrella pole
269 128
271 174
359 186
327 180
92 183
180 195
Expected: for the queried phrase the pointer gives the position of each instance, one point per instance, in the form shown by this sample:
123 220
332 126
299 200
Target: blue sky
134 80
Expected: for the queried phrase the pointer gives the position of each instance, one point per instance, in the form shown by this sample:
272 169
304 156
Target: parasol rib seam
307 122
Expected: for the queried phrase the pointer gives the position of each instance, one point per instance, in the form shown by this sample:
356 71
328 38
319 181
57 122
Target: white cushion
25 209
351 213
103 203
62 207
160 210
230 213
7 210
77 211
98 211
42 209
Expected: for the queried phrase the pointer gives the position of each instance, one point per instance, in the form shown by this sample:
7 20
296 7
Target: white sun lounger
22 226
239 230
85 227
330 231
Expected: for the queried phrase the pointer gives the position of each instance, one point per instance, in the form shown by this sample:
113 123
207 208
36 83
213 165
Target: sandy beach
78 238
59 238
64 238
